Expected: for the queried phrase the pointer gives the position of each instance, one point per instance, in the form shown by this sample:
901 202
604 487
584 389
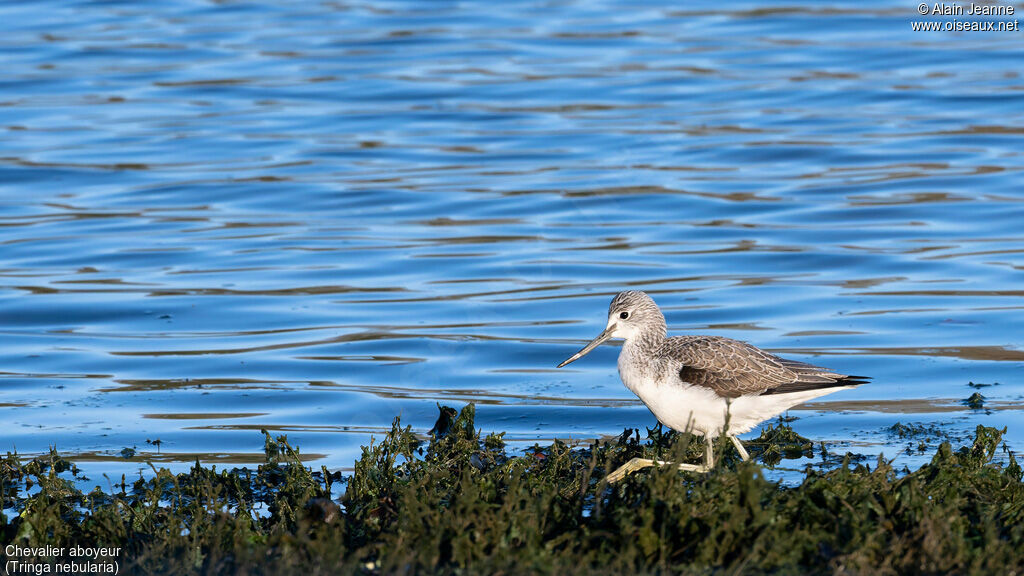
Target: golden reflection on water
909 406
147 456
984 353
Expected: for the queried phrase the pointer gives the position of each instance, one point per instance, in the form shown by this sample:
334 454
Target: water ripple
350 211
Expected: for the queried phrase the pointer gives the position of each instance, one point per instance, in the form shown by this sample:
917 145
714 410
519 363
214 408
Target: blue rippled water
217 217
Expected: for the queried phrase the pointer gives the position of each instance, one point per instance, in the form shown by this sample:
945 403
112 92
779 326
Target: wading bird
707 384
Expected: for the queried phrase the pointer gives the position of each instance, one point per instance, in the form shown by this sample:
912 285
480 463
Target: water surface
221 217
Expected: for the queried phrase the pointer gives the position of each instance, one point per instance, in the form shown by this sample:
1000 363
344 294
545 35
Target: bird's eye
624 315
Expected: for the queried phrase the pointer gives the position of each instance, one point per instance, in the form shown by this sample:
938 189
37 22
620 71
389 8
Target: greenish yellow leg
641 463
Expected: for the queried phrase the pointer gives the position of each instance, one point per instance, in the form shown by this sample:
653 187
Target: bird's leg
640 463
739 447
629 467
709 452
709 461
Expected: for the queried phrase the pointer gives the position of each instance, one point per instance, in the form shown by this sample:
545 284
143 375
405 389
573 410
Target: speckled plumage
732 368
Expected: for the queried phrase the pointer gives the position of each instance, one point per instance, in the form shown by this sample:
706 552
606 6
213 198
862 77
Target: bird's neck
650 338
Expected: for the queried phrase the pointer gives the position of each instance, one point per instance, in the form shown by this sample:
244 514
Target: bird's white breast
675 404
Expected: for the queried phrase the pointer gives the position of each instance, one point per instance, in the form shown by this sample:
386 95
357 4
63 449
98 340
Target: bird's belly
683 406
678 405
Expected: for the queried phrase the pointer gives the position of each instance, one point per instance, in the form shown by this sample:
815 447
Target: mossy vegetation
975 401
463 503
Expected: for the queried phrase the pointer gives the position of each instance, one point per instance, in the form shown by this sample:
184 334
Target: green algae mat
462 503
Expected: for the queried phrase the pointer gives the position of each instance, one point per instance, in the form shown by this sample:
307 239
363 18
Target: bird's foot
641 463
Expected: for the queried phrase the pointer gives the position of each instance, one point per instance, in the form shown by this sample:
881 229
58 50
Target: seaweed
976 401
463 503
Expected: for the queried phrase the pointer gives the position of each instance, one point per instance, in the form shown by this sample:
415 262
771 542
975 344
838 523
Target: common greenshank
707 384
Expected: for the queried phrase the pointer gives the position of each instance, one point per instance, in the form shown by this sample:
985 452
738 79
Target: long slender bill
593 344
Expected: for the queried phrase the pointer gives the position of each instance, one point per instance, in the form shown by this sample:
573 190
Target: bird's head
630 314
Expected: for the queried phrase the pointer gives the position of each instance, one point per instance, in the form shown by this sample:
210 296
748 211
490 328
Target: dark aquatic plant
976 401
461 503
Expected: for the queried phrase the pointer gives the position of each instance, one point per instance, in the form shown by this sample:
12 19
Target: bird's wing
732 368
